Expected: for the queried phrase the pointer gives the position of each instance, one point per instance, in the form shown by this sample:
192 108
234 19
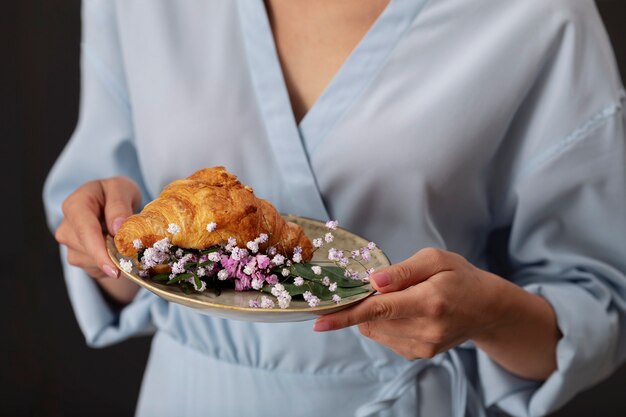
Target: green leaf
349 292
196 280
206 263
160 277
334 273
186 287
210 250
190 264
179 278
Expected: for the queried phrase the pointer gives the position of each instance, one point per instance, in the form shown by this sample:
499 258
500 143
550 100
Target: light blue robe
459 124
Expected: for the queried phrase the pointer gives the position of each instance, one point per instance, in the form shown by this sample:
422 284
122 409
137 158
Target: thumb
121 198
418 268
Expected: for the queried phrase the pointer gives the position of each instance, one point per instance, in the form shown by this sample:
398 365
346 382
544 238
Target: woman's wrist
520 331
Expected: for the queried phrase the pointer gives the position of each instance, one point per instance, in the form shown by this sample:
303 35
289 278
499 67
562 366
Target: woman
480 143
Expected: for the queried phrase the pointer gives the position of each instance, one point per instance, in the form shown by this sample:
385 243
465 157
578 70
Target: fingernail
321 326
117 223
110 271
381 279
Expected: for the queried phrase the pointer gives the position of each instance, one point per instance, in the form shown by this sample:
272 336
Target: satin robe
491 129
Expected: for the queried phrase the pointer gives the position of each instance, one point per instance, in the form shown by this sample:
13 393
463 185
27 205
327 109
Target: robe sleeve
566 239
101 146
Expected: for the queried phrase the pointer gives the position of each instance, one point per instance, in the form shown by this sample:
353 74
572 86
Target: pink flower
263 261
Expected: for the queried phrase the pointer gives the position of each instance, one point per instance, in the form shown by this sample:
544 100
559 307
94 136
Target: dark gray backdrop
45 368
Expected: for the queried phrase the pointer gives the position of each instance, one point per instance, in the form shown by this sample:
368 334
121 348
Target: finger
418 268
83 213
408 328
395 305
423 329
122 197
410 348
85 262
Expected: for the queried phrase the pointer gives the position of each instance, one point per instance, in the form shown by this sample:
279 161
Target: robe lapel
302 196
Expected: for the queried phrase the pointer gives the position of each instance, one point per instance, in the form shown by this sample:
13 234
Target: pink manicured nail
110 271
117 223
381 279
321 326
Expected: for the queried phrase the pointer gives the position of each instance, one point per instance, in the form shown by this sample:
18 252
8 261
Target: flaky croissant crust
210 195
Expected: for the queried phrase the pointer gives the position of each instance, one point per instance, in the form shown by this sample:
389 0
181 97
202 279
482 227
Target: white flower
278 259
214 257
370 271
332 224
328 237
285 300
163 245
253 304
318 242
298 281
336 298
335 254
326 281
137 244
333 287
317 270
313 301
211 227
307 295
231 243
236 254
271 251
179 252
297 258
222 275
253 246
263 238
257 283
266 302
173 228
201 272
127 265
285 272
371 246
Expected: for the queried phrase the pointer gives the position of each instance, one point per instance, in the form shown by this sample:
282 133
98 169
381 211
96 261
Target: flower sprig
247 267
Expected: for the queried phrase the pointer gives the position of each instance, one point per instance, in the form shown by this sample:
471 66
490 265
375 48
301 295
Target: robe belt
464 398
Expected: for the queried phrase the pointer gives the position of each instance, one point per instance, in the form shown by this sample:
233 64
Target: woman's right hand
93 210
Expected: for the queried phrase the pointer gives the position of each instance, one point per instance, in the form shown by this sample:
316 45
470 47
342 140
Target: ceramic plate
230 304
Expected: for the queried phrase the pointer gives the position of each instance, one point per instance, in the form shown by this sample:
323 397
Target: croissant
211 195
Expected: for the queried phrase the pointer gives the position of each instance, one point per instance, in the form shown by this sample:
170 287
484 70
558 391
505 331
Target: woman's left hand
436 300
431 302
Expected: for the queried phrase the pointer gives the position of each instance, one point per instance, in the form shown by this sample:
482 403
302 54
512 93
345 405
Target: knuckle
73 258
60 233
403 272
382 311
437 306
426 351
434 255
365 329
436 335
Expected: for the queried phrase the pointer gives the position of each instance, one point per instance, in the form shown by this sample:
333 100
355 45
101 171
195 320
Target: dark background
45 368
